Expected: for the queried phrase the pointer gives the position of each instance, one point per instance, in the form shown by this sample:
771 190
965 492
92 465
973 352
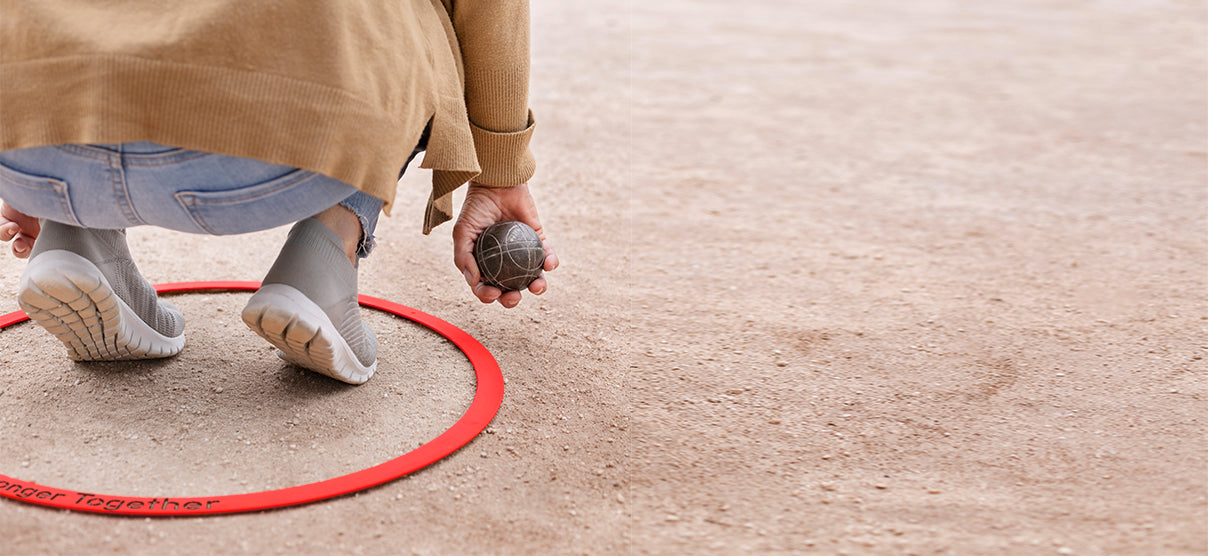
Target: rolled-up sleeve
493 36
505 157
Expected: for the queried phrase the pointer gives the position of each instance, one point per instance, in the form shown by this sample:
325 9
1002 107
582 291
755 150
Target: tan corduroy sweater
339 87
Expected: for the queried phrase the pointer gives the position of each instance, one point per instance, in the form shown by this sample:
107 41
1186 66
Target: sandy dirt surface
868 277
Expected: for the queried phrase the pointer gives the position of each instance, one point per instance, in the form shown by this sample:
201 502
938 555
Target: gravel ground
867 277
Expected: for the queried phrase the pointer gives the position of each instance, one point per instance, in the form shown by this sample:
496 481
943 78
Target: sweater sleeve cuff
505 158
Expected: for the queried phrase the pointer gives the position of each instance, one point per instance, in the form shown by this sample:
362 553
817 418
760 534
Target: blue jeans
132 184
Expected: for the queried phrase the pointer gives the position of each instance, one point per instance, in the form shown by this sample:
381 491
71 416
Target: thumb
463 251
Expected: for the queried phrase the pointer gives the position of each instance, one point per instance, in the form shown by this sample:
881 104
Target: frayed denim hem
367 208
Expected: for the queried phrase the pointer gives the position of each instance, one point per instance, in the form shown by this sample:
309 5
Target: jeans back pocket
252 208
37 196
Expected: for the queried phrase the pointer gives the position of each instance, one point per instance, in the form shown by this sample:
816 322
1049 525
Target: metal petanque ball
509 255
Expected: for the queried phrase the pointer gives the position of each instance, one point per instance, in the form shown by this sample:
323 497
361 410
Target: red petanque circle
488 396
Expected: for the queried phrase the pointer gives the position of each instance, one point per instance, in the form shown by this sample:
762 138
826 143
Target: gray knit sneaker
307 307
82 286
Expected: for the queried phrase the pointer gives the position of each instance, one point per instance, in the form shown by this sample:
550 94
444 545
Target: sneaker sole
298 327
68 296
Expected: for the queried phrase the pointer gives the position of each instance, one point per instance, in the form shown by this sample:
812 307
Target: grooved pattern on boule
509 255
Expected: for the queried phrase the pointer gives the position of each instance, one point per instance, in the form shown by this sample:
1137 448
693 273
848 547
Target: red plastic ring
487 399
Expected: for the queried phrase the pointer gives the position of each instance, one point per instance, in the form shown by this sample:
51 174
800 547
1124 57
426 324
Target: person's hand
18 228
485 206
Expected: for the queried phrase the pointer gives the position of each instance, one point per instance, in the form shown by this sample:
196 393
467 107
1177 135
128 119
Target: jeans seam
64 201
189 202
79 150
132 159
276 188
121 190
174 158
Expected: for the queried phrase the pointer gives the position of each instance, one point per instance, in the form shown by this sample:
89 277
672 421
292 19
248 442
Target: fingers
551 258
463 251
483 207
510 299
485 293
491 294
465 232
23 245
27 224
18 228
538 286
8 230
